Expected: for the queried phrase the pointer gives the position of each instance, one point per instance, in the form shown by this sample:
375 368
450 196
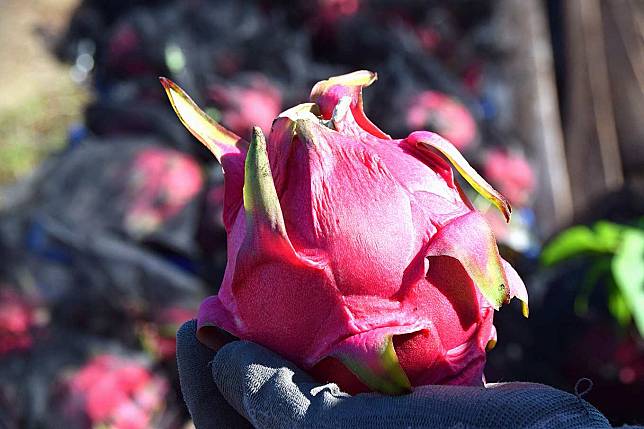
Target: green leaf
578 240
628 272
608 234
618 307
639 223
595 274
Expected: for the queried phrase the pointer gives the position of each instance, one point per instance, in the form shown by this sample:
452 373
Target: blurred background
110 212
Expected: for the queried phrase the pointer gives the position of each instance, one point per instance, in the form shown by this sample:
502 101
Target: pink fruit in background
245 106
512 174
19 316
330 11
161 183
355 255
116 392
444 115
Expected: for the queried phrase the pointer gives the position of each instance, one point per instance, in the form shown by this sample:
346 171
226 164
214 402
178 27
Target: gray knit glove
270 392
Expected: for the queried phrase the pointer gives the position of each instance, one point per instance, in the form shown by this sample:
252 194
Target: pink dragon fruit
116 393
355 255
511 172
20 316
161 183
242 106
445 115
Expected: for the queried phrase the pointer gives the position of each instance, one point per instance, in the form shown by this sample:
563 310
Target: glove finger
508 405
268 390
273 393
207 406
539 405
511 405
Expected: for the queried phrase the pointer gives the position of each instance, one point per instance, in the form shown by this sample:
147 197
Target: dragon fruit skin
352 254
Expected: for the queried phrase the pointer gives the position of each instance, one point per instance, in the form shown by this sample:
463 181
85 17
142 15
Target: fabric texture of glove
207 406
271 392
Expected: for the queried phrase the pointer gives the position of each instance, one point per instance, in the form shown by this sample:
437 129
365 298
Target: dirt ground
38 99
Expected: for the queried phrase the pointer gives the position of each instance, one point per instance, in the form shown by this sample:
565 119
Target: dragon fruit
115 392
255 103
355 255
161 183
512 173
443 114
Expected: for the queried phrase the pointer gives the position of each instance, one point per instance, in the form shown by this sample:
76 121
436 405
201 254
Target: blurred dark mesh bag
205 44
198 41
73 380
199 44
108 233
127 111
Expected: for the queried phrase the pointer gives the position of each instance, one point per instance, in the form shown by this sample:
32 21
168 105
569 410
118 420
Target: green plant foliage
628 272
578 240
618 307
616 251
597 273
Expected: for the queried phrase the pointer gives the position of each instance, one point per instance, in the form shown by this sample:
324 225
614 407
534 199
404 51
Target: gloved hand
246 384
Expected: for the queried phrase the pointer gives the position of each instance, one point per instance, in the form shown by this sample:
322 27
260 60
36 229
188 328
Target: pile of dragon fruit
118 239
